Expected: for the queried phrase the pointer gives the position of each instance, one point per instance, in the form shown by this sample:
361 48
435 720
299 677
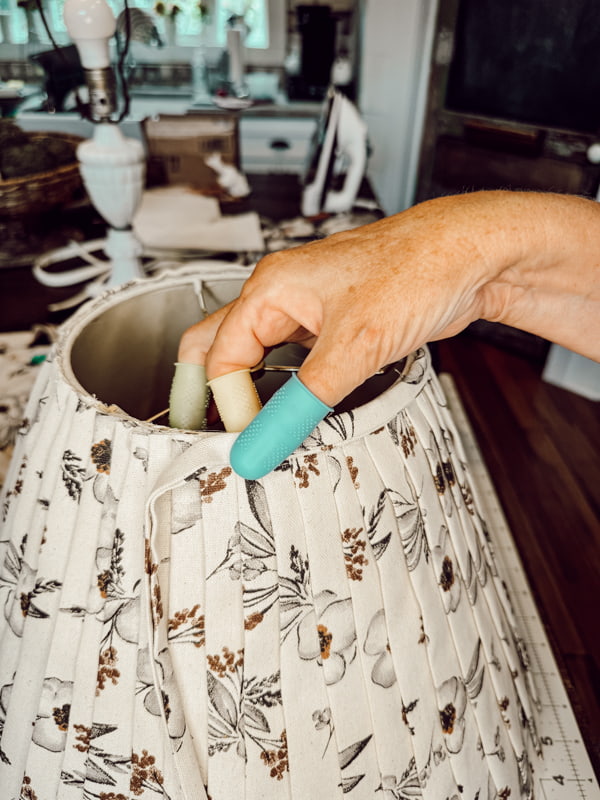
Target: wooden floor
541 445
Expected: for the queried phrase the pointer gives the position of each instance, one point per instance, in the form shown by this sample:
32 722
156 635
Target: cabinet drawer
275 144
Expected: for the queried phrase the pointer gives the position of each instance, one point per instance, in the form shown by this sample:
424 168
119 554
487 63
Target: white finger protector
236 398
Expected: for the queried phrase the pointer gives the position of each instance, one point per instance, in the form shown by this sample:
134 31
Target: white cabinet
275 144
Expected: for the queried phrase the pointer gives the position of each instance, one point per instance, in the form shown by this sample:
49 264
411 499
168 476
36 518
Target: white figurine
228 177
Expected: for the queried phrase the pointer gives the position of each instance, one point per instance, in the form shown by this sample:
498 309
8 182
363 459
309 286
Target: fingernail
287 419
236 399
188 397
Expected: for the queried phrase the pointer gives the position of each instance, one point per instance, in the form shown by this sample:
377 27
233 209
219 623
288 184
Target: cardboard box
177 147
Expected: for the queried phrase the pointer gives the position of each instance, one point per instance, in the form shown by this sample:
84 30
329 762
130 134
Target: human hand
365 298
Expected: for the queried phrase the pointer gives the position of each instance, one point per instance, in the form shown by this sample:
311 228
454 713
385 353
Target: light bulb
90 24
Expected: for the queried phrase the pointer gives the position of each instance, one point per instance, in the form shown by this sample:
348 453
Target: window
265 43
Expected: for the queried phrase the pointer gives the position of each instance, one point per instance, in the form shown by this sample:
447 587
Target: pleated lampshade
170 630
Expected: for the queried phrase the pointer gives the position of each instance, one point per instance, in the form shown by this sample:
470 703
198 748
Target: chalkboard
533 61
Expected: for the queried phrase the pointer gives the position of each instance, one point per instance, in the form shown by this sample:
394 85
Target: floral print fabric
172 631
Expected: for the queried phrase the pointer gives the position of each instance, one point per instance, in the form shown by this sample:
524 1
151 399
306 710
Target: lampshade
170 630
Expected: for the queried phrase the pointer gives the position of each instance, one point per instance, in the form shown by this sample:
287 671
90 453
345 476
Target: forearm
553 289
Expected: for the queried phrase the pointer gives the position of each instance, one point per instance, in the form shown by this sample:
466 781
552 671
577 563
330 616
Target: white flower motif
376 644
334 646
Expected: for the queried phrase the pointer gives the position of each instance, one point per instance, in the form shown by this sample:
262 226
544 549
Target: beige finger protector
189 397
236 399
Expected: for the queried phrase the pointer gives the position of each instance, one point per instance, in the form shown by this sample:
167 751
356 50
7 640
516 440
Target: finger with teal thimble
277 430
188 398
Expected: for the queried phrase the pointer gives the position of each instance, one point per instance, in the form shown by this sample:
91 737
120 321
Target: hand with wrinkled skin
365 298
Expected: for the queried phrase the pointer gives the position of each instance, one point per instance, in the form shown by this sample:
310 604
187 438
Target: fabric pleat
338 628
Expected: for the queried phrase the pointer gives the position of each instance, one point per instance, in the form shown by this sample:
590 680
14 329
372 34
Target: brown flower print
101 455
353 470
310 464
253 620
226 663
277 759
107 670
354 553
84 738
187 626
214 482
144 773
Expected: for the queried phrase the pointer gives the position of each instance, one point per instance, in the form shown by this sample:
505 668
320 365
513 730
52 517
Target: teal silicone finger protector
287 419
188 398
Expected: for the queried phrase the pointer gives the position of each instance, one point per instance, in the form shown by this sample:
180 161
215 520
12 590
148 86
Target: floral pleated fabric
170 631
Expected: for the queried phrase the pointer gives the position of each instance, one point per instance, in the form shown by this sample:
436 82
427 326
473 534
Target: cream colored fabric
338 628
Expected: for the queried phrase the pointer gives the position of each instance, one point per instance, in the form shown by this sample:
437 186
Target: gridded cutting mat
566 772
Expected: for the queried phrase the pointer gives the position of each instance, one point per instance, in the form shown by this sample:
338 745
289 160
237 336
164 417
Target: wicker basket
40 191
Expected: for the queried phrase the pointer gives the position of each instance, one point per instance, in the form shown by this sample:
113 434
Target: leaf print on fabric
452 697
376 644
294 593
417 367
346 757
475 673
16 490
407 787
109 562
327 634
105 769
72 474
23 590
238 712
342 424
411 524
403 433
378 543
257 500
498 751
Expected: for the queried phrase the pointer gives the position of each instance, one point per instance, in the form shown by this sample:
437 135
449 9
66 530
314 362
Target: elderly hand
365 298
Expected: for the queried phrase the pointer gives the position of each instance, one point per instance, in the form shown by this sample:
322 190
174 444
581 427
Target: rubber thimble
236 399
287 419
189 397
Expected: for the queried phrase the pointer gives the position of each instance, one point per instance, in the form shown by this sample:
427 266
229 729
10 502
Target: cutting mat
566 772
